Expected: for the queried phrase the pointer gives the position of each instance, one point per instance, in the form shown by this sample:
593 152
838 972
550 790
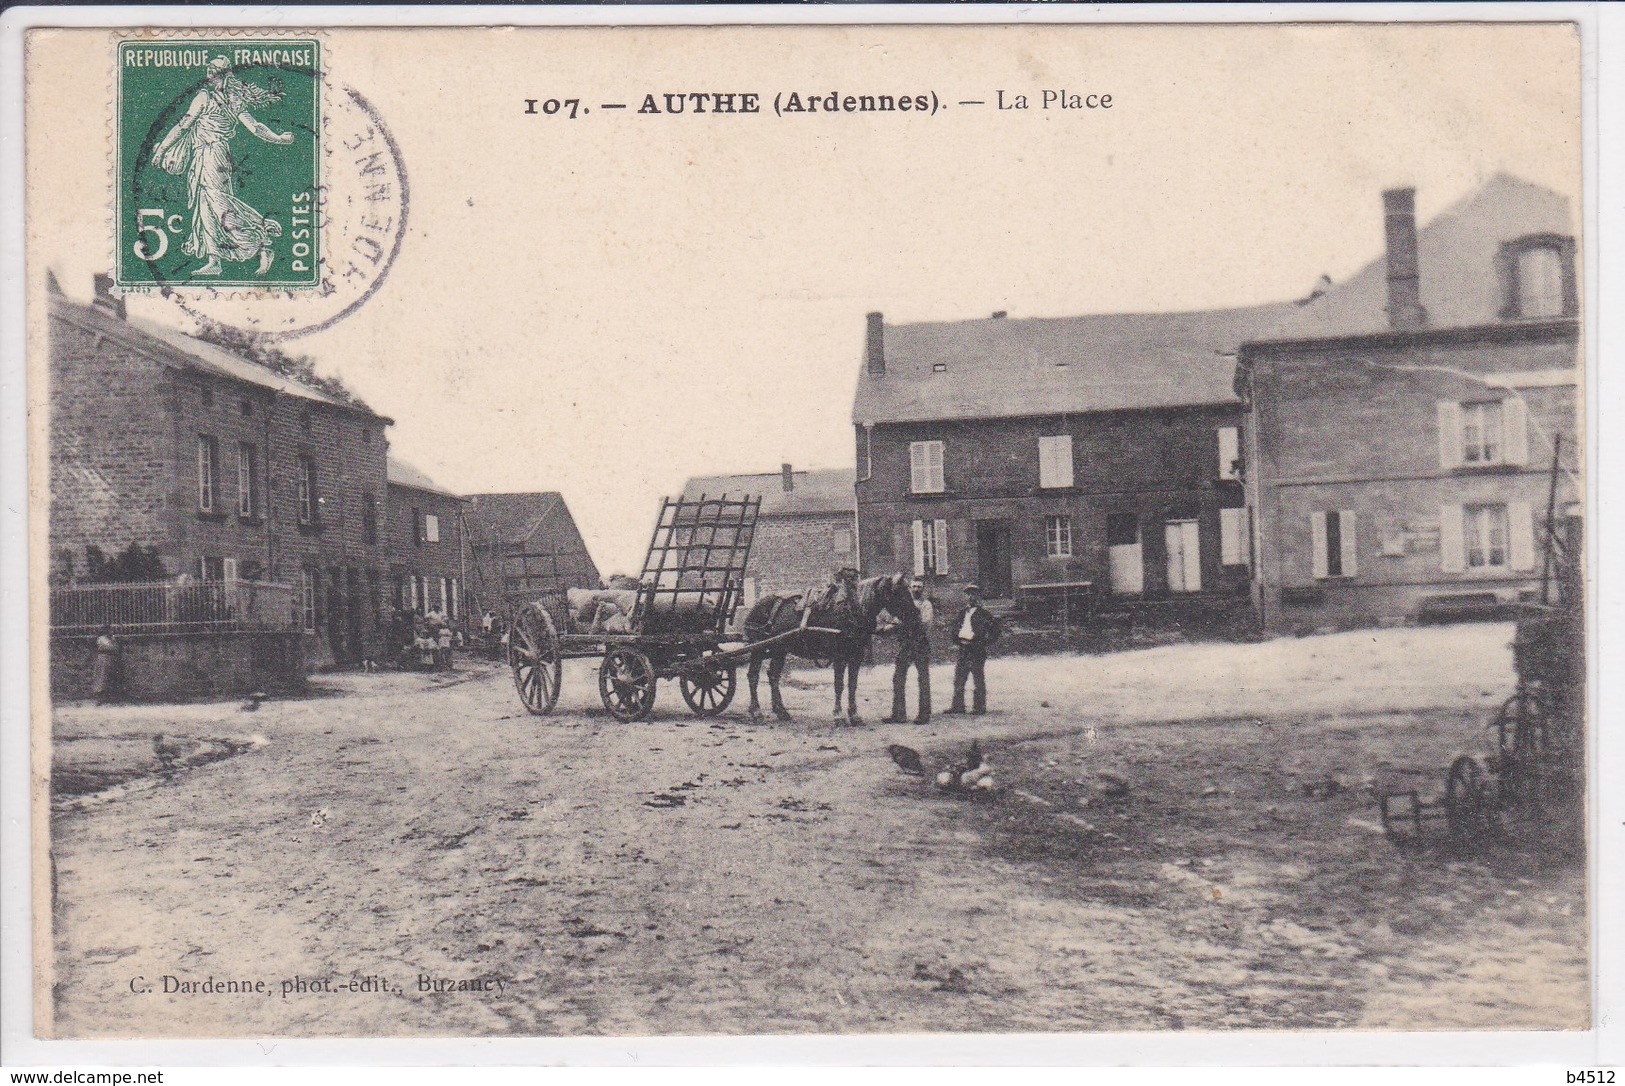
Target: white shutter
918 472
1449 434
933 453
1055 461
1515 430
1232 537
1520 536
230 565
919 548
1351 546
940 530
1229 451
1452 540
1317 533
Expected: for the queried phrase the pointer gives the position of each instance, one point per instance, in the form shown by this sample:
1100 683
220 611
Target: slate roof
1004 368
400 473
829 490
514 518
1456 255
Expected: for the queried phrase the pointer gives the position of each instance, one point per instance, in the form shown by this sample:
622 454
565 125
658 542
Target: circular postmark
349 228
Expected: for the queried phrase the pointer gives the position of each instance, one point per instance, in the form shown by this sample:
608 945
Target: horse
854 616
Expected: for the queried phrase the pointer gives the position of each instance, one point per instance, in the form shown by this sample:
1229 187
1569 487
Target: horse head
890 593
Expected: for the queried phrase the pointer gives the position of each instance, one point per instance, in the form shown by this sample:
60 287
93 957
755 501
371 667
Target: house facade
229 470
522 545
1400 457
806 529
427 560
1058 461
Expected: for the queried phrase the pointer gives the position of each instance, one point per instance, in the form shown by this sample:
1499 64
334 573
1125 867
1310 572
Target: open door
993 558
1125 555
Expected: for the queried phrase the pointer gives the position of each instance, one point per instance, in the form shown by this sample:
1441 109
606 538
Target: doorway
993 558
1125 555
1184 544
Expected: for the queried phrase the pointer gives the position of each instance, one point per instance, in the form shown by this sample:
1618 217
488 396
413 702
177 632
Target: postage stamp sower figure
218 160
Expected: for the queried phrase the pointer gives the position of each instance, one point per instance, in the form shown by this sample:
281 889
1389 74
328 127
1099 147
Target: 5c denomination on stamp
218 163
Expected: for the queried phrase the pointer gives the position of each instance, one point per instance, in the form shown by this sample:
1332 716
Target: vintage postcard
584 531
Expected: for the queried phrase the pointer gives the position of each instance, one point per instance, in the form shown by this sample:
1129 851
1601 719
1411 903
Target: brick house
805 531
426 556
1401 446
521 545
1053 459
228 469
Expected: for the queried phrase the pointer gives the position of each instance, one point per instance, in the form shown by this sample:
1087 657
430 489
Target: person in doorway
913 650
975 631
106 678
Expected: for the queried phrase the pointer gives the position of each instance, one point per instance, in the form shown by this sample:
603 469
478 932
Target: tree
133 564
260 349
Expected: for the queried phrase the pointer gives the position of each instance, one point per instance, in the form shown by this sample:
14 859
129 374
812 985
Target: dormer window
939 367
1537 277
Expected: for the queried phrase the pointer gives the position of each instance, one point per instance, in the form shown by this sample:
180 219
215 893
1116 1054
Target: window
307 601
930 547
1055 461
451 597
841 540
306 482
206 394
431 528
1484 434
247 489
207 486
1336 549
1058 536
1229 452
247 408
1537 277
1233 537
1487 538
417 526
369 519
1122 530
925 467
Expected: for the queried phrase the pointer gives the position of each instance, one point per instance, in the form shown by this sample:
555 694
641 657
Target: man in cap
913 649
975 630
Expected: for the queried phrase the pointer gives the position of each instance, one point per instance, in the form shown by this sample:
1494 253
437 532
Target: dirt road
576 875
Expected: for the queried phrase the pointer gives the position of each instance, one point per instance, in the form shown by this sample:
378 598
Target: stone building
1400 455
1060 463
805 531
228 469
521 546
427 559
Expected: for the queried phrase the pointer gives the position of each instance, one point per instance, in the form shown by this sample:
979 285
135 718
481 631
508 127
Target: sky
608 306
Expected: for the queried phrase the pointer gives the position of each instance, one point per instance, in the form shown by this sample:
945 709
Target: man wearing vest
913 650
975 630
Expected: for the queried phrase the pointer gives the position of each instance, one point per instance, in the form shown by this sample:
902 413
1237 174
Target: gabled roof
510 518
177 348
1003 368
1456 257
400 473
828 490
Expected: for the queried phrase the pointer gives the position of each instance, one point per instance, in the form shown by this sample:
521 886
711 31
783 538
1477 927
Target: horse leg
852 716
839 669
752 673
775 668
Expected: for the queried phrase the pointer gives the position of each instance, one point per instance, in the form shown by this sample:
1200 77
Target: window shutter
1515 430
1229 451
1520 536
919 548
230 567
916 466
1232 537
933 451
1449 434
1055 461
1452 541
941 531
1317 532
1351 546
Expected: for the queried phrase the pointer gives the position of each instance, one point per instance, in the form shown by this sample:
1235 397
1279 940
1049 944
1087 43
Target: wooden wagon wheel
626 682
708 691
1470 801
534 656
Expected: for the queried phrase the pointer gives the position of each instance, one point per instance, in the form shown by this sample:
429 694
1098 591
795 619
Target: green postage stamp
218 163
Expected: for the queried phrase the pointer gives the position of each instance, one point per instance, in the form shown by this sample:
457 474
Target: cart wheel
534 656
626 681
1469 801
708 692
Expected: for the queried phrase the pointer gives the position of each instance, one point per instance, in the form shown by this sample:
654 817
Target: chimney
875 350
1000 314
788 476
105 299
1404 276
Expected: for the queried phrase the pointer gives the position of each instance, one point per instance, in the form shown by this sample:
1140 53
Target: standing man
913 648
105 680
975 630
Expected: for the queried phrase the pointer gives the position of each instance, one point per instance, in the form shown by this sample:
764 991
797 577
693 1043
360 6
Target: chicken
907 760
